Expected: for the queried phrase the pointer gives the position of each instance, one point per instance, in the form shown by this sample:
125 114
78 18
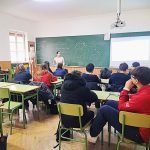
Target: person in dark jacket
118 80
92 80
60 71
74 91
22 75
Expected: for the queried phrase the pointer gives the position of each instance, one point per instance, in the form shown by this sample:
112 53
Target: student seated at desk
105 73
1 72
134 65
74 91
92 80
44 76
137 103
118 80
60 71
22 75
48 66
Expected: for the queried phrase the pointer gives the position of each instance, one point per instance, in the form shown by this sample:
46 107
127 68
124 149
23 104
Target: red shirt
46 77
138 103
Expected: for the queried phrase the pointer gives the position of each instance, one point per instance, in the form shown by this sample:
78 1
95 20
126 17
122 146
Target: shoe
21 116
91 139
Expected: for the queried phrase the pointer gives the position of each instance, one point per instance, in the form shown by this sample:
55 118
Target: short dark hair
44 67
57 52
135 64
142 74
76 72
123 66
59 65
90 67
47 63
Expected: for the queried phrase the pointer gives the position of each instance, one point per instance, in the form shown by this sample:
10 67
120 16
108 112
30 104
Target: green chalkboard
76 50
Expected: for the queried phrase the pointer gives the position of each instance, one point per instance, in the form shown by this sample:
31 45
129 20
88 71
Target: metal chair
136 120
9 105
71 110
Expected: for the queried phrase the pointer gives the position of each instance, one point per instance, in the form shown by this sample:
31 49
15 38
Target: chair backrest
59 77
2 77
134 119
4 93
70 109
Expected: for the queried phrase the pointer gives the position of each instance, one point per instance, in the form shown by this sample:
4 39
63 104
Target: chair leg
2 116
102 140
109 134
59 138
72 133
86 141
118 145
147 147
11 123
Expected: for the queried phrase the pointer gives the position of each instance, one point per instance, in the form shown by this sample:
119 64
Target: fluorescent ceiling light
45 0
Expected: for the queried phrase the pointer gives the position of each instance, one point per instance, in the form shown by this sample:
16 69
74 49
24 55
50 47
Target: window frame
17 34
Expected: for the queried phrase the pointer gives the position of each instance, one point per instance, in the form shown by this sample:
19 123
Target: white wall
7 23
137 20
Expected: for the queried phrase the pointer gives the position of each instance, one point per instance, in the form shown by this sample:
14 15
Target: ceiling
57 9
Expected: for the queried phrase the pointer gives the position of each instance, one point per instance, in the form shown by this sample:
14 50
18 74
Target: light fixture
44 0
118 23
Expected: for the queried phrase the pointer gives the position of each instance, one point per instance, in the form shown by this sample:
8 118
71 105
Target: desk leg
23 109
37 91
54 90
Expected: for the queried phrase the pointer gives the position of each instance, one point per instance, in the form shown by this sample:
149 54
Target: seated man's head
135 64
76 72
123 67
73 80
140 76
21 68
60 65
90 68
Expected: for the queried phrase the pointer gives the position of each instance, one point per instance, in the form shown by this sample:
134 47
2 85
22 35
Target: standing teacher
58 59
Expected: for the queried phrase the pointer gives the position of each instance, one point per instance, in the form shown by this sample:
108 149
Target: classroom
74 74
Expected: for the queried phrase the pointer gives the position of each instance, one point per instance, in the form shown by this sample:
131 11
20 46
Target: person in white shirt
58 59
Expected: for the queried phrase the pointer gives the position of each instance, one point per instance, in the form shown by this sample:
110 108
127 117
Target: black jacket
74 91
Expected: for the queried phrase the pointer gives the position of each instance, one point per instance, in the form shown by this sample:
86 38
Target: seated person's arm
91 96
125 104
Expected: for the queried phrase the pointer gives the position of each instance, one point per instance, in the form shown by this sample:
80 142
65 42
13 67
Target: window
130 49
18 51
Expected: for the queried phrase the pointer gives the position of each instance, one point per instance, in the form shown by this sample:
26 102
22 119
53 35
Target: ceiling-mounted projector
118 23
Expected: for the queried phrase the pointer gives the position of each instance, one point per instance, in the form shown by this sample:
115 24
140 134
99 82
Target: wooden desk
22 90
57 84
3 84
103 96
